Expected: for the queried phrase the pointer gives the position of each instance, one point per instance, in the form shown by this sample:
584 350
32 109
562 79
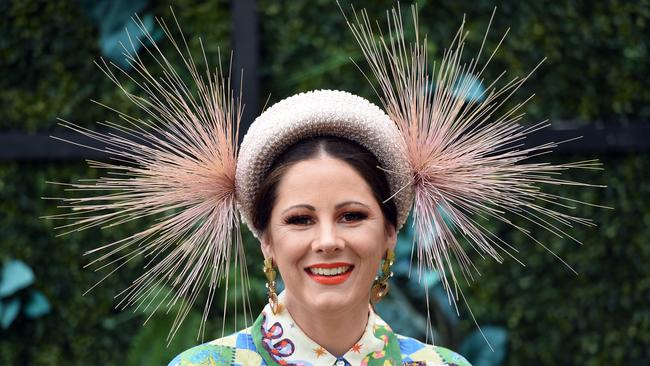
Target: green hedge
47 49
595 71
596 51
599 317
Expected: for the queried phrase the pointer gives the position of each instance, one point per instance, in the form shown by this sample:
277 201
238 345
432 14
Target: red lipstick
330 279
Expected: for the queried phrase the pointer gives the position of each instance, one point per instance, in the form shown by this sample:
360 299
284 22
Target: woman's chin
315 297
334 300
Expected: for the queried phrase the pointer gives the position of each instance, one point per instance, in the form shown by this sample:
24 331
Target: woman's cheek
365 240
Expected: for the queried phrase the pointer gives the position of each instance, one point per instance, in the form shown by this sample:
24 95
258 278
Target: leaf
148 345
477 351
37 305
116 28
15 276
402 316
10 312
469 88
431 278
111 43
444 304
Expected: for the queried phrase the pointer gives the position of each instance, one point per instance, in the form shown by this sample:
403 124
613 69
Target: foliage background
596 72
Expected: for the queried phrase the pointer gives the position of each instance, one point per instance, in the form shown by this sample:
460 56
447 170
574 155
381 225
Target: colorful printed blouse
274 340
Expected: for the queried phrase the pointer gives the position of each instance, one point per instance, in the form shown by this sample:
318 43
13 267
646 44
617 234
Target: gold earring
270 274
380 288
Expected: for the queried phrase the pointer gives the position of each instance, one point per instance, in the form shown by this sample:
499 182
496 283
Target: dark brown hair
360 159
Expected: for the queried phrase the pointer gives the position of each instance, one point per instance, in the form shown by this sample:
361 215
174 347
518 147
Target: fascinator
452 162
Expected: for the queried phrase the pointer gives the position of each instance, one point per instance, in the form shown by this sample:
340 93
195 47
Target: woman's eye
353 216
298 220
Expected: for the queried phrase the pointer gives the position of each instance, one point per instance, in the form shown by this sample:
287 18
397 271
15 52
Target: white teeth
329 271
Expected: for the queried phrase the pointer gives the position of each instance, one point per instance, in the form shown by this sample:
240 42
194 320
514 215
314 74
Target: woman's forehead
322 179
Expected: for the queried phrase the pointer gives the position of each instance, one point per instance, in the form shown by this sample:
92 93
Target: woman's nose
328 240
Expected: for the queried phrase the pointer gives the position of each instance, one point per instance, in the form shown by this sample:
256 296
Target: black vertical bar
245 57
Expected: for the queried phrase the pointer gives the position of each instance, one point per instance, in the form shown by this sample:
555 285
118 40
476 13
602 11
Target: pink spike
177 166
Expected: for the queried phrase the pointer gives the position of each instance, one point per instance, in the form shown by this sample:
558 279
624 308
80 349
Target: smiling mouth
330 273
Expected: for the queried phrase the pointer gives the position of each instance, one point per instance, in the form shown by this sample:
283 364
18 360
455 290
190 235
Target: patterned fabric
275 340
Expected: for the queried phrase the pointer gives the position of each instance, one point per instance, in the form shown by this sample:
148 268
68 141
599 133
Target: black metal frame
245 48
611 138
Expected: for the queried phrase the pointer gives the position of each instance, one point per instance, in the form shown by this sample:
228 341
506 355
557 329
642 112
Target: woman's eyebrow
309 207
350 202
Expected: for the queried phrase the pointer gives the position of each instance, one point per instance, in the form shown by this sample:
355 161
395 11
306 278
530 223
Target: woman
325 217
325 180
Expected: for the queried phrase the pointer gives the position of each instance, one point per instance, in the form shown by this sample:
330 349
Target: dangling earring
380 288
270 274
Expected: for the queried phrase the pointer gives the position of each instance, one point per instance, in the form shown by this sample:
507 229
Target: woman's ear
391 237
265 245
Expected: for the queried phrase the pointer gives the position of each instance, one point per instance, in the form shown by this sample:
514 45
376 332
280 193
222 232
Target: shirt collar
280 341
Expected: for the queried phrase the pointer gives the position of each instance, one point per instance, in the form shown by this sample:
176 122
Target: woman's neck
335 331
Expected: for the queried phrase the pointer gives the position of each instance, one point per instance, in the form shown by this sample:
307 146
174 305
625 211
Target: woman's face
327 235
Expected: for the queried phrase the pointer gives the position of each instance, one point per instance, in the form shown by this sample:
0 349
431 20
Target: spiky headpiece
443 150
